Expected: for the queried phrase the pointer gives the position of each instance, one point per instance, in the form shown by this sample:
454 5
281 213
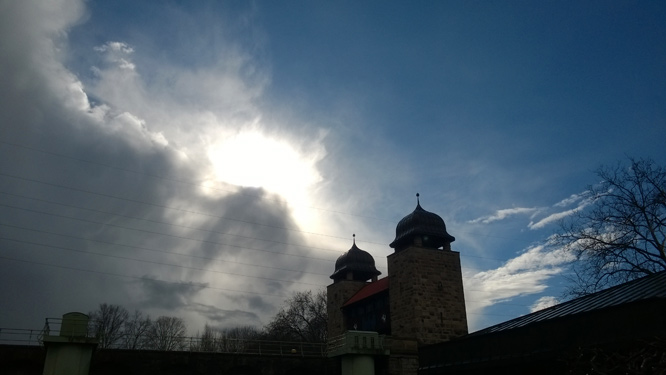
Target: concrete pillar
69 352
356 364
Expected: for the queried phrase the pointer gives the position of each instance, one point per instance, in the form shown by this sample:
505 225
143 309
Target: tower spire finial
354 238
417 199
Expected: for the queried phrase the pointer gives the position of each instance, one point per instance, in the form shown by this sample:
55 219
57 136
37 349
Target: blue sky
205 160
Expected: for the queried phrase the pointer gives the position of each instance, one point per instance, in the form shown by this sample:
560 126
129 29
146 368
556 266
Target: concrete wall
29 360
22 359
70 358
355 364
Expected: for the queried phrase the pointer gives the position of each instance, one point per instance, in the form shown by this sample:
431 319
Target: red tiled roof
369 290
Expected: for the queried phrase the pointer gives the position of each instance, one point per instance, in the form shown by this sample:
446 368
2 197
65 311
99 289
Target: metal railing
54 327
13 336
67 328
256 347
356 342
34 337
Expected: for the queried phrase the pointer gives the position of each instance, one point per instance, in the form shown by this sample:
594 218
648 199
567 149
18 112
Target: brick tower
426 295
353 269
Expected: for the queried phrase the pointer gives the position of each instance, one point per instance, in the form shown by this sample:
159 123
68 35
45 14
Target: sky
208 159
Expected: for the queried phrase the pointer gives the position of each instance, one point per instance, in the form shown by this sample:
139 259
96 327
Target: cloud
168 295
503 214
223 318
583 200
543 303
561 215
573 198
551 218
115 47
116 53
103 196
525 274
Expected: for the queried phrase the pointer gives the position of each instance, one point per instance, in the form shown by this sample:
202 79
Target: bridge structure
23 352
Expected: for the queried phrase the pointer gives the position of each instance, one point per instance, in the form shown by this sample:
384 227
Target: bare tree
236 340
135 330
107 324
622 236
208 340
167 333
302 318
646 356
227 340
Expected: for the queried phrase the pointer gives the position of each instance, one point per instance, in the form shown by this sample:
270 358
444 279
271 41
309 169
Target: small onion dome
355 264
421 228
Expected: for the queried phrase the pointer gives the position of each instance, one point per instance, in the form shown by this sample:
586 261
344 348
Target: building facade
420 302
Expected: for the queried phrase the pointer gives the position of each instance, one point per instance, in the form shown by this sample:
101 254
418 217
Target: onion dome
355 264
421 228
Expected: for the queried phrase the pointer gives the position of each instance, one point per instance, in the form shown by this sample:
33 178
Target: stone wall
404 358
337 294
426 295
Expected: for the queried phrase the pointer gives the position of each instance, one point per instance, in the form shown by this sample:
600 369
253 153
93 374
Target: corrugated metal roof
369 290
652 286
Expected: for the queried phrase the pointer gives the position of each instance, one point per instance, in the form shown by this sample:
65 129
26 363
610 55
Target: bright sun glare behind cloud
252 159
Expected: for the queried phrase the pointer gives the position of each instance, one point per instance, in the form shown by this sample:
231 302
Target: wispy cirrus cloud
573 198
530 272
504 213
544 303
583 201
551 218
526 274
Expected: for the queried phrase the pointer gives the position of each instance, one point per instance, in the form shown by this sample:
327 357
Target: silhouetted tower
427 301
353 269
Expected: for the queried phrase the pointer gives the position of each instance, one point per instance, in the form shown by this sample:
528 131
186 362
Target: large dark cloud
168 296
222 318
98 207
